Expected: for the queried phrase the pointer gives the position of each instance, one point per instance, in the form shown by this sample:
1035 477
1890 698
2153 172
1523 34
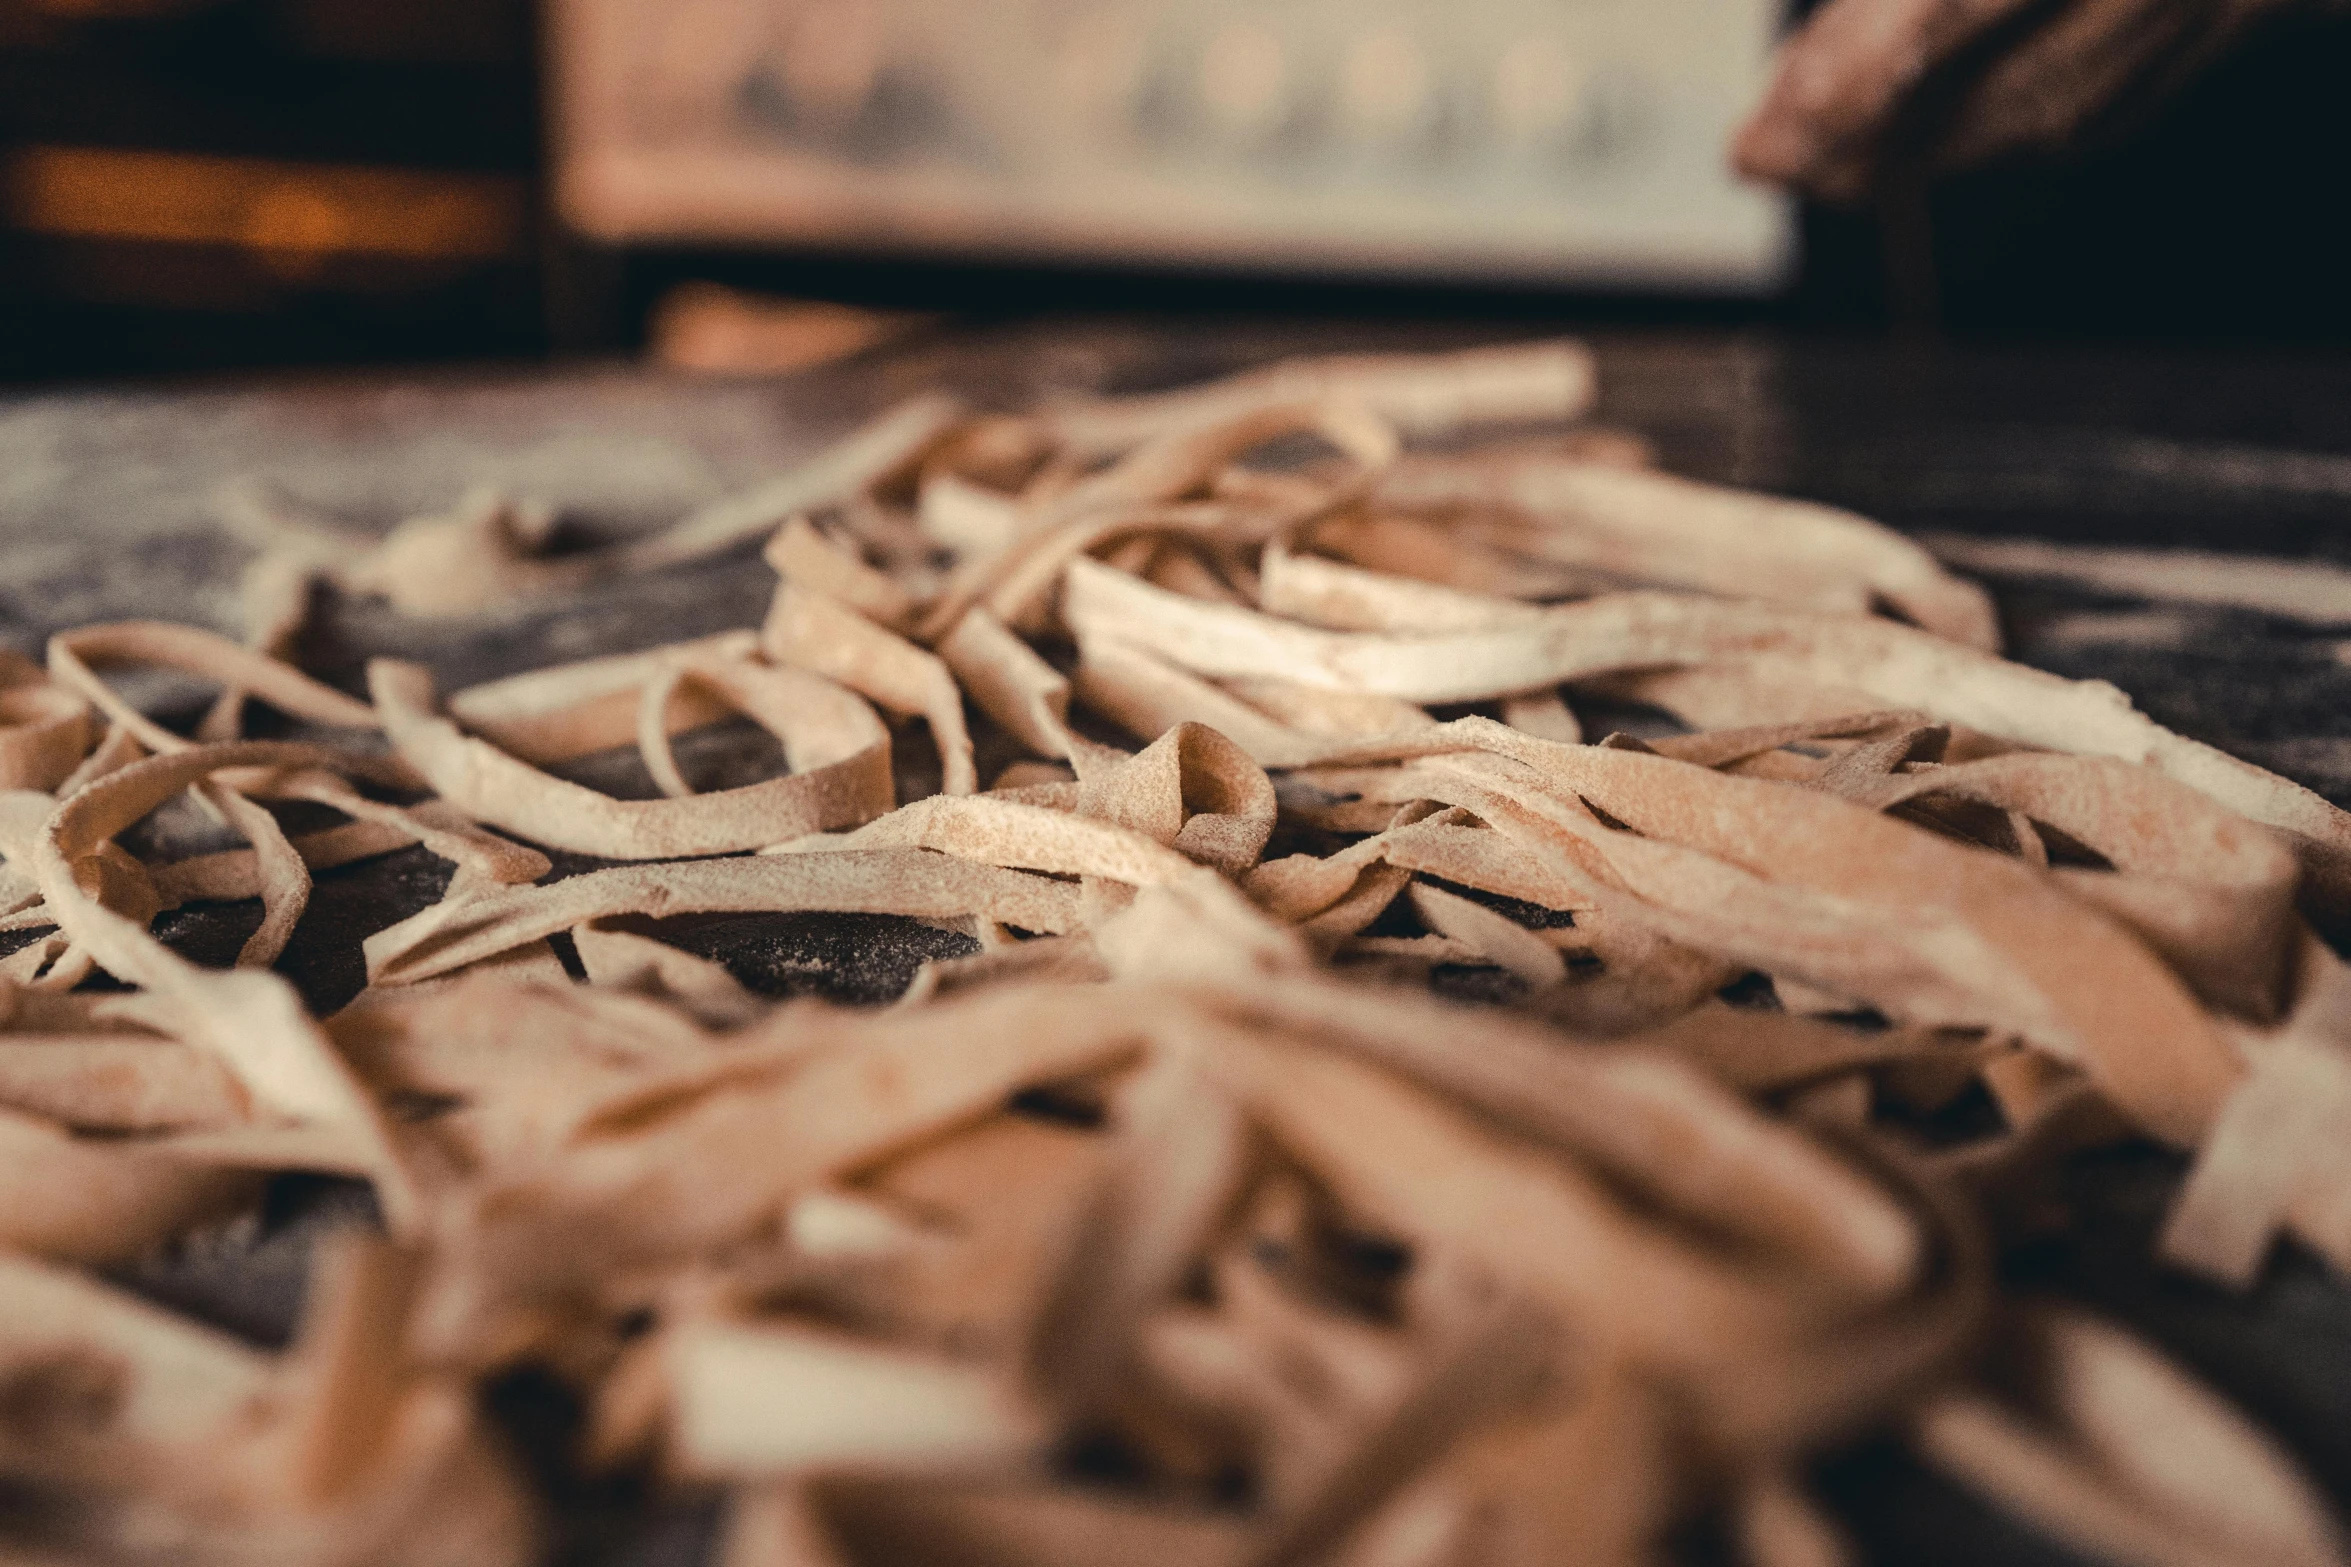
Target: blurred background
190 185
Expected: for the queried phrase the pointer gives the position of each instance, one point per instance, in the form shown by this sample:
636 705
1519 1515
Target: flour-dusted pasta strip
624 960
440 826
279 867
770 1402
1734 542
2205 888
1147 696
117 1082
1191 789
812 631
232 873
566 710
1421 394
1319 711
76 656
45 727
714 1153
1328 593
800 553
2275 1159
1734 1171
498 788
992 831
1494 937
480 925
1141 491
1424 1170
1010 682
94 1201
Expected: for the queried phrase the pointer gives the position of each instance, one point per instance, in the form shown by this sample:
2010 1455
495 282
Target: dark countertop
106 513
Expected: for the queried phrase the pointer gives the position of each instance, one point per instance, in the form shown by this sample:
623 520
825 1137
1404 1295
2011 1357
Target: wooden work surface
107 512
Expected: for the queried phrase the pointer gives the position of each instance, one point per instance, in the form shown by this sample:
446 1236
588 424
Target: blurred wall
197 184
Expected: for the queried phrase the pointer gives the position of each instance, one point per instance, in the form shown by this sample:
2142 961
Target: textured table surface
107 511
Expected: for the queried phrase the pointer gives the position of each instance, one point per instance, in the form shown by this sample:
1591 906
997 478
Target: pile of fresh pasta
1378 1120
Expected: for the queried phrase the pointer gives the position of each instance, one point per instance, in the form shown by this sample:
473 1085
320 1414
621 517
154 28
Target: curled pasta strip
76 656
846 751
44 727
